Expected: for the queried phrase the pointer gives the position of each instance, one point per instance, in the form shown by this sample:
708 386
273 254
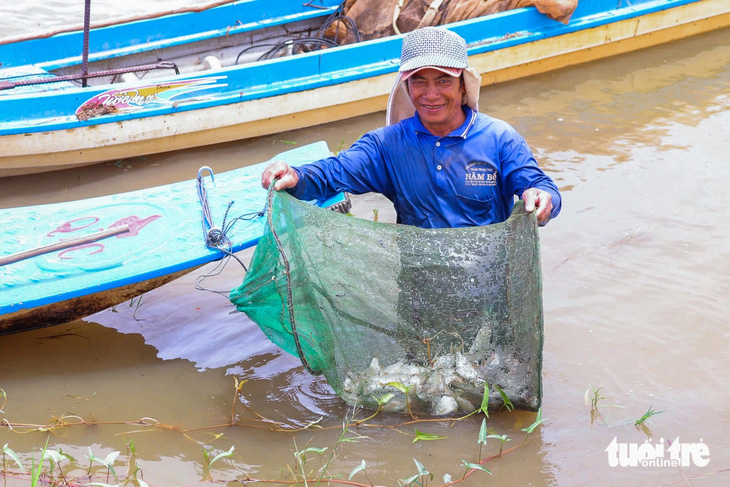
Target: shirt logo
480 174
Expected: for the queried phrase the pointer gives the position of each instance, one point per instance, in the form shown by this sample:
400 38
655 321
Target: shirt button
438 167
438 144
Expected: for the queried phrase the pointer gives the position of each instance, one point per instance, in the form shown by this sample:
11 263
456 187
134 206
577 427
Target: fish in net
402 318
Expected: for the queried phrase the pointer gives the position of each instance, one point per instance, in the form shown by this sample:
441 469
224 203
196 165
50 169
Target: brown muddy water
635 270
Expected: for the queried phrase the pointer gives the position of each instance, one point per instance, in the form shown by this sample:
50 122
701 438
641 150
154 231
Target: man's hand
287 177
541 200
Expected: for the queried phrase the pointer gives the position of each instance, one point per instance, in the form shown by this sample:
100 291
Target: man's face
437 97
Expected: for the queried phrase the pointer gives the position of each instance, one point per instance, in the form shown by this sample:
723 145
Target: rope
289 296
308 43
215 237
218 238
339 15
85 49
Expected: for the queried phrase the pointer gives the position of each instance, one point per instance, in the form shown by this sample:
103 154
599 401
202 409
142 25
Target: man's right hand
287 177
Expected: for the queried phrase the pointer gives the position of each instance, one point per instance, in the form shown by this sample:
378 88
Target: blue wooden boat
110 249
196 78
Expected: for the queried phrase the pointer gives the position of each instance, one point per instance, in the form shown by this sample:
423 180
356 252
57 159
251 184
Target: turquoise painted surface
166 234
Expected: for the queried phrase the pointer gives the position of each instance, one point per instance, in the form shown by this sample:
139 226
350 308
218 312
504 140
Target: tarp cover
413 318
374 18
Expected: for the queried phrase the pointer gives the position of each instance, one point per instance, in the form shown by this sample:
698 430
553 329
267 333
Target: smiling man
441 162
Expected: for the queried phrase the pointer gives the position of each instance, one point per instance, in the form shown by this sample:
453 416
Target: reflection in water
634 284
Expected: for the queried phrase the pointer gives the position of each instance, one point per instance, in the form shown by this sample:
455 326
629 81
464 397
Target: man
446 165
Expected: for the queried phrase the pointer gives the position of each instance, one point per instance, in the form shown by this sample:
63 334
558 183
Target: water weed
593 397
209 460
421 436
648 414
10 453
538 421
36 469
312 465
420 478
108 462
502 440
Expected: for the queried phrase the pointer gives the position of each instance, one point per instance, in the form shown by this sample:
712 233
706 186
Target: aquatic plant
538 421
10 453
360 468
592 398
405 390
474 466
36 470
648 414
209 460
48 470
502 440
422 474
107 461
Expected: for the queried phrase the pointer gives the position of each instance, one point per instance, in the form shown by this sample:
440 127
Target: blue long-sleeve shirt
467 178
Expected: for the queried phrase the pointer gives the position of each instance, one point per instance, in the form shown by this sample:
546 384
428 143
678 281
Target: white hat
431 47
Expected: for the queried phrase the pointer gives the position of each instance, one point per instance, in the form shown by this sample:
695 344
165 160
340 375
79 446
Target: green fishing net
399 317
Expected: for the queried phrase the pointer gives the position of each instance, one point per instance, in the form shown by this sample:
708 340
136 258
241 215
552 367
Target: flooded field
634 269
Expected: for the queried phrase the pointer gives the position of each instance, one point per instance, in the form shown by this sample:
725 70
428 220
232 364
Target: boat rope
339 15
289 294
213 235
218 237
308 43
85 49
304 44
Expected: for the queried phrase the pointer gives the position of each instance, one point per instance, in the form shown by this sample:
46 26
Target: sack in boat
383 18
399 317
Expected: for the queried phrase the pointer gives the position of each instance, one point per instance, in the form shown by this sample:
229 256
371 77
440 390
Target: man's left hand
542 201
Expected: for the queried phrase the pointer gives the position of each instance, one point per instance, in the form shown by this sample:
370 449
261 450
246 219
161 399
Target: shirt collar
462 131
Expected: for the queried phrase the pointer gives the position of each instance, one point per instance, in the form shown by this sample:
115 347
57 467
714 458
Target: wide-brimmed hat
431 47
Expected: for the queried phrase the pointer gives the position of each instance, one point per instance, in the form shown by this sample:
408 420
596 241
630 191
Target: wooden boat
198 79
130 242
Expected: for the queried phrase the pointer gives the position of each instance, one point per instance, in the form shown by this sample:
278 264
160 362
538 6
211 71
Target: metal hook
206 168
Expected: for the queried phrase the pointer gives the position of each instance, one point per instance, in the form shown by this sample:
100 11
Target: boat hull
345 95
64 261
79 307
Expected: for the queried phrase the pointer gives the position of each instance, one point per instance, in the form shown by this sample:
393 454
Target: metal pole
85 54
63 244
